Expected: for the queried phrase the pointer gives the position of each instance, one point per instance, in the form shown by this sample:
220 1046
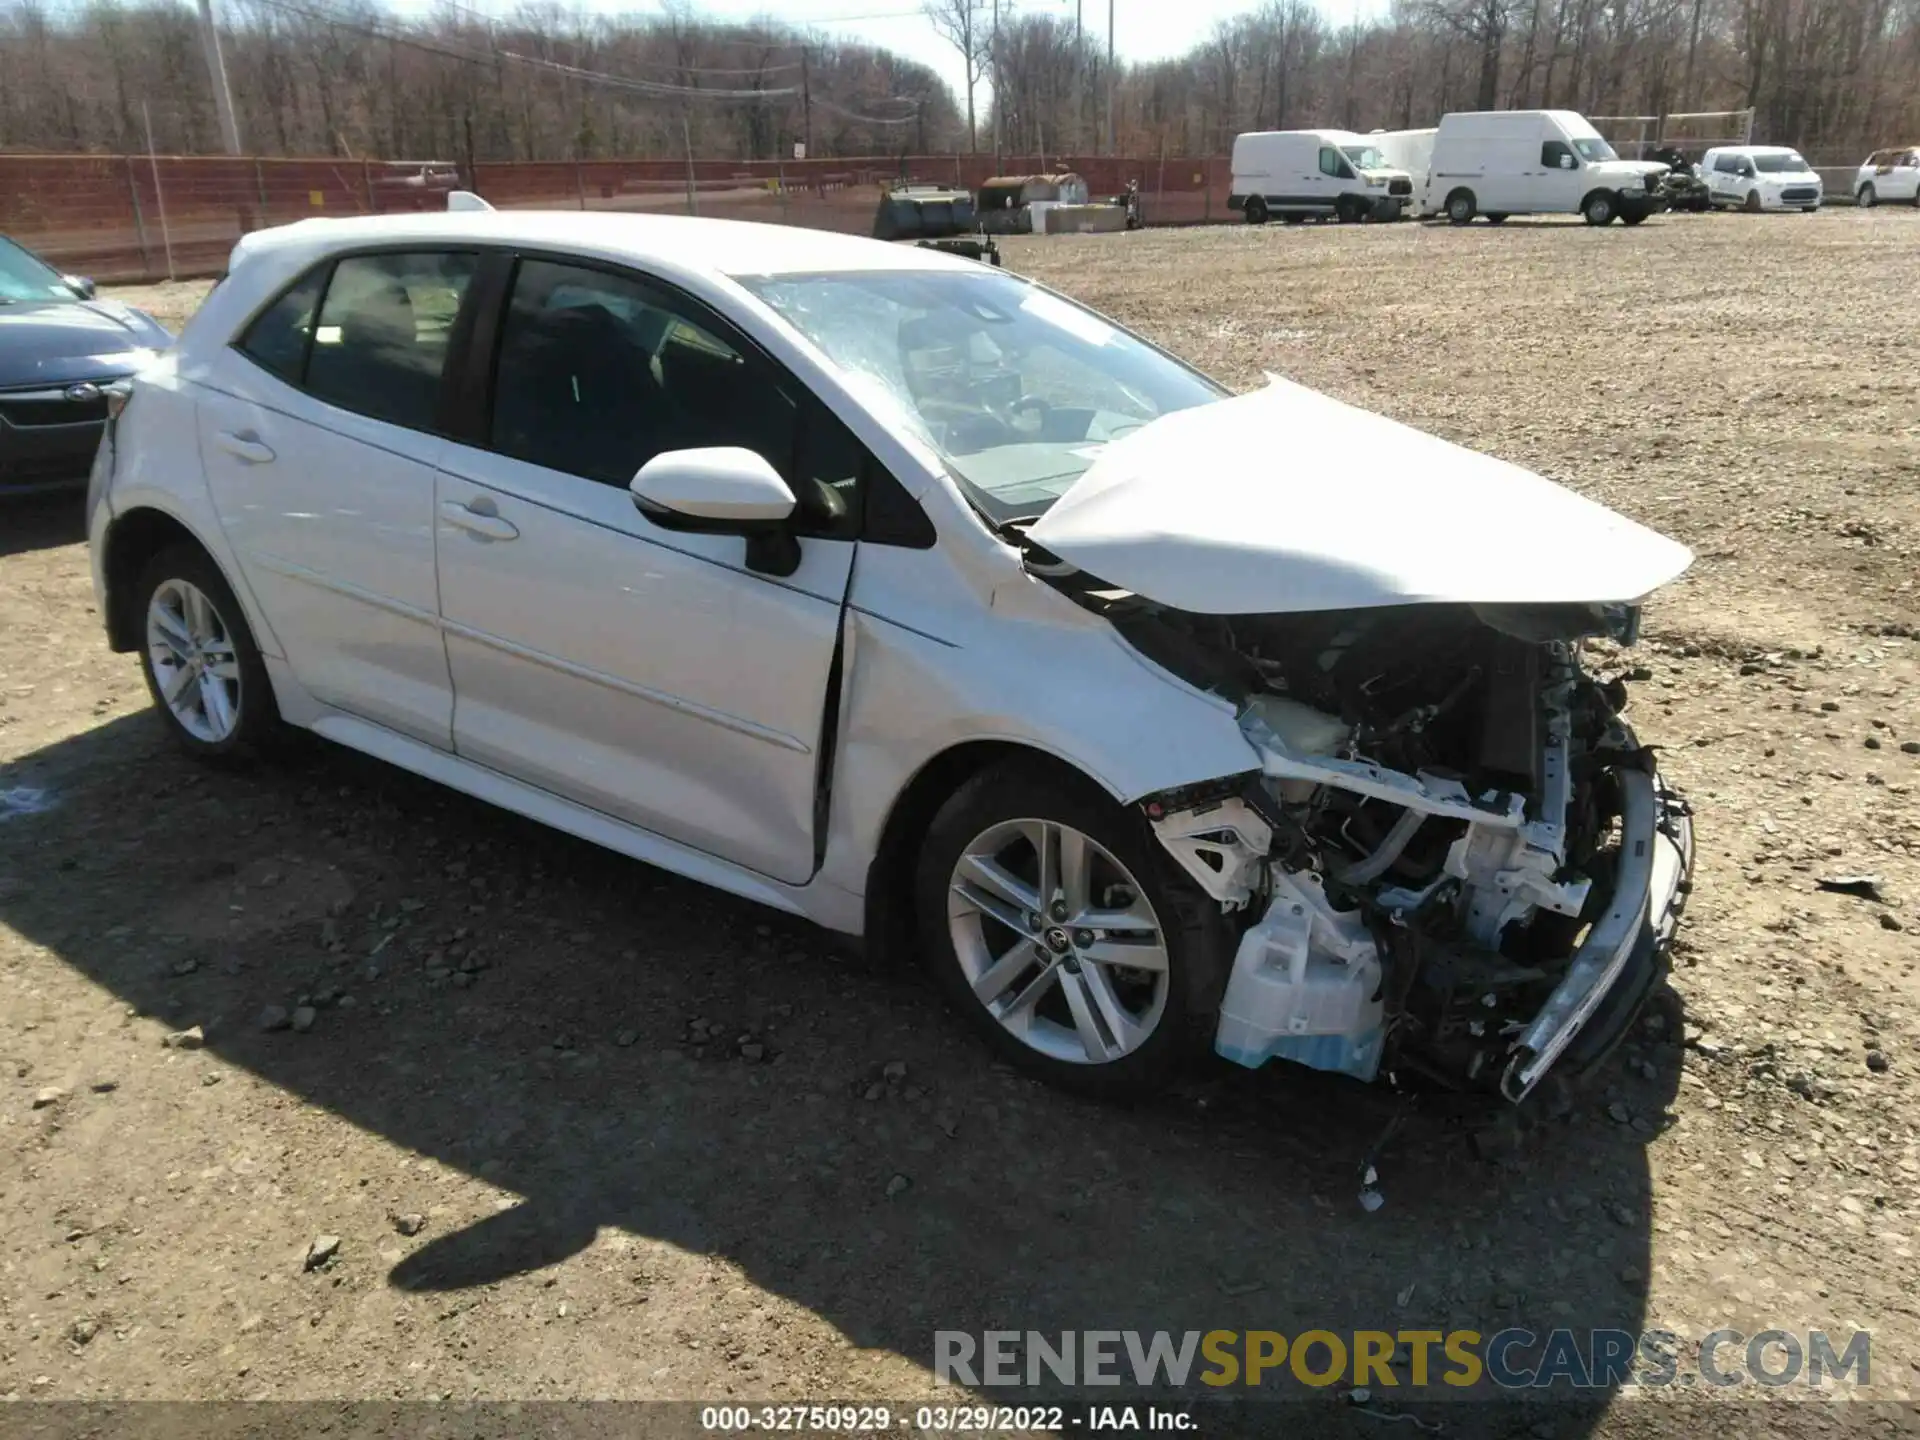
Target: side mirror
80 285
1566 162
722 490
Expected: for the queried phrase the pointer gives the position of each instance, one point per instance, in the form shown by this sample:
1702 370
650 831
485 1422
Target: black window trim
898 521
444 411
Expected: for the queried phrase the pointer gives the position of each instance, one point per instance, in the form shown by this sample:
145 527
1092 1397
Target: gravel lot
524 1110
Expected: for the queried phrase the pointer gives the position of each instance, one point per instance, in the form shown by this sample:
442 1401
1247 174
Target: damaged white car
901 594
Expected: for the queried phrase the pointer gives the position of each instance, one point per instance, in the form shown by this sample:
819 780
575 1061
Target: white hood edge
1285 500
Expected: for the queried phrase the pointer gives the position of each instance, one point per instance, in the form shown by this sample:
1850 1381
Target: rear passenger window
277 339
380 343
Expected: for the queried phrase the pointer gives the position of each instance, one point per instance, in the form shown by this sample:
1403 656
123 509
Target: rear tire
1256 210
1598 209
1050 1005
1632 217
1867 198
1493 219
1461 207
197 649
1348 211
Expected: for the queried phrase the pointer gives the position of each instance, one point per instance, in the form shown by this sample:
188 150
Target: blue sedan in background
62 350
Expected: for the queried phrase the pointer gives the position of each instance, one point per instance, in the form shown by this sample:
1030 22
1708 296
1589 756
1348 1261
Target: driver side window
1555 153
598 373
1332 164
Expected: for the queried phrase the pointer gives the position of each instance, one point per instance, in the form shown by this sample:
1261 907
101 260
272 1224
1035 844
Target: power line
494 23
653 88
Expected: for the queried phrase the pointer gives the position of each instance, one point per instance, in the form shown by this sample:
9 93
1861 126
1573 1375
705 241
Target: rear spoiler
465 200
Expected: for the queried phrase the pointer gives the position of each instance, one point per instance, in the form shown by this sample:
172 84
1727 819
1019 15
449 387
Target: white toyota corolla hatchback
902 594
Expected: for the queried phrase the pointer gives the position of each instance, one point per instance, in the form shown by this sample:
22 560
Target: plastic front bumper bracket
1655 856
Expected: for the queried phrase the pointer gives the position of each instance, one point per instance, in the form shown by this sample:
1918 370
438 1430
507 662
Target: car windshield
1016 389
1595 149
1775 164
23 278
1364 157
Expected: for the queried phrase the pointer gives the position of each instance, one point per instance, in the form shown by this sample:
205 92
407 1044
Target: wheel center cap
1058 940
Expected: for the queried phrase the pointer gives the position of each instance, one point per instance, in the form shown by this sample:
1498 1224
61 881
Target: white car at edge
901 594
1888 177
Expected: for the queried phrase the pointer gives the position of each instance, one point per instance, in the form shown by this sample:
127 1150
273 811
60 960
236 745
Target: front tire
1599 209
1063 933
1867 198
1633 217
1752 206
199 659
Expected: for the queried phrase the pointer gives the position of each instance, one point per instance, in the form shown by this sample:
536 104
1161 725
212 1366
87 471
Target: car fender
926 672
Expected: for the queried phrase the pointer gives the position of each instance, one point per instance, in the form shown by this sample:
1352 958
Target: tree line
346 78
1836 76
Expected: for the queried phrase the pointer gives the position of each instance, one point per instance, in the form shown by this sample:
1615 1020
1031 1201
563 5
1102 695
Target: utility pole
1111 144
806 102
997 107
217 76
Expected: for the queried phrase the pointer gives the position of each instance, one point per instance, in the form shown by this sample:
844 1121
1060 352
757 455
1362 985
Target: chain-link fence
135 217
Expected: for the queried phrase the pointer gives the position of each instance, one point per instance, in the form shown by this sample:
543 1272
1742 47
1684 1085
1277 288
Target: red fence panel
135 217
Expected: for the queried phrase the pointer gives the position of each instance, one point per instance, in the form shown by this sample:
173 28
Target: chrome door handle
478 523
247 446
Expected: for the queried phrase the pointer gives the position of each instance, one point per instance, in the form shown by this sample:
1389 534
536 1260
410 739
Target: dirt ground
507 1047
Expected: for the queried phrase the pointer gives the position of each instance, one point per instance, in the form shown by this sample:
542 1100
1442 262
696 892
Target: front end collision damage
1498 904
1454 865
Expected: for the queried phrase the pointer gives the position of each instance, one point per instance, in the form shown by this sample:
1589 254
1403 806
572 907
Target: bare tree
964 25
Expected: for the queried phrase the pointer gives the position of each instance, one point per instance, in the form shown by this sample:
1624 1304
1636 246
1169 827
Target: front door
316 432
1558 179
647 673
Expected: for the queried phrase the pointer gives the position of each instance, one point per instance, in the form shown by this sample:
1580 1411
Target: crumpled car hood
1286 500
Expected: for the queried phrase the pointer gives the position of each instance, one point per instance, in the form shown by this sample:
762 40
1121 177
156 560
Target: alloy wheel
196 668
1057 941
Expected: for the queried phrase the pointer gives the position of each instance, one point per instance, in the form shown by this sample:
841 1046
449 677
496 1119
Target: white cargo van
1408 150
1300 173
1498 163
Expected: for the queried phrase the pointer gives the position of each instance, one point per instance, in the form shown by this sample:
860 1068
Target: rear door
647 673
319 435
1905 176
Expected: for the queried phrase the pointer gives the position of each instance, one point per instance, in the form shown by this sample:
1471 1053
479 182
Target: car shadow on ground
839 1136
41 522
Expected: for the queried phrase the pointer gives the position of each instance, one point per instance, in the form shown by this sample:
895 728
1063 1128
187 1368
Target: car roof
685 243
